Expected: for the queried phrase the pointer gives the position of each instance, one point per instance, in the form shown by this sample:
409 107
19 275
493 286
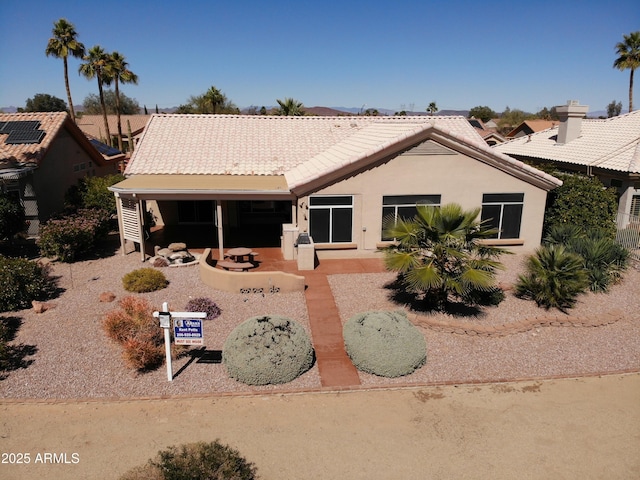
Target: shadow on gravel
13 357
201 355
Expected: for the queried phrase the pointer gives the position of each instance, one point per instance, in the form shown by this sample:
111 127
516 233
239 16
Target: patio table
240 254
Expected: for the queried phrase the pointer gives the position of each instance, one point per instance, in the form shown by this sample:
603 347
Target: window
503 211
635 205
330 219
404 206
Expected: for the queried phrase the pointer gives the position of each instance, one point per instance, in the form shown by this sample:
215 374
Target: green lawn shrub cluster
23 281
383 343
144 280
269 349
75 236
203 304
211 461
134 327
571 261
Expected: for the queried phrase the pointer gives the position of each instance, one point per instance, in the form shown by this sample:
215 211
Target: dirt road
585 428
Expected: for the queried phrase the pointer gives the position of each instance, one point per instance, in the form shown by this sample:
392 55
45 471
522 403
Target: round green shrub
266 350
386 344
22 281
144 280
213 461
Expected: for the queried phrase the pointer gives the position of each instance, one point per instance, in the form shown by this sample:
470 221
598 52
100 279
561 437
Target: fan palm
439 254
554 278
628 59
290 107
64 43
117 69
215 98
95 64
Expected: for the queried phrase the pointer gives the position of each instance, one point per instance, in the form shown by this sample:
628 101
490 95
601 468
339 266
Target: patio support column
139 208
220 231
294 211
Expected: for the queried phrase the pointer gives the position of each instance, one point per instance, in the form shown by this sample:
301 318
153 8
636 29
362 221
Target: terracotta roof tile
25 153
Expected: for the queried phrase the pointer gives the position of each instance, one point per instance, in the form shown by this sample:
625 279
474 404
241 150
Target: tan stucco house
334 178
41 156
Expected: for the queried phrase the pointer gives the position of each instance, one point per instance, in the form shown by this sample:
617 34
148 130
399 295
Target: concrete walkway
335 367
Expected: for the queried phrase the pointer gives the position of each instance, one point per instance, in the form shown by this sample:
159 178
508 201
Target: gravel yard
73 358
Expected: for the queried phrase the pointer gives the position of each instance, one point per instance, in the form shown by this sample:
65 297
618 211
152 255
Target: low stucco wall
246 282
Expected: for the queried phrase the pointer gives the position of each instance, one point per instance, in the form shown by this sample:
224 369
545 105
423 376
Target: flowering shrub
203 304
22 281
74 236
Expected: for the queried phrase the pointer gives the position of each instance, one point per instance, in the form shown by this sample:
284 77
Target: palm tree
432 108
96 63
629 58
117 69
63 43
290 107
554 278
438 254
215 97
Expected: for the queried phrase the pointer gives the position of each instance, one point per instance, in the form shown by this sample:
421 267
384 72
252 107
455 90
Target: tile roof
31 153
264 145
93 125
613 144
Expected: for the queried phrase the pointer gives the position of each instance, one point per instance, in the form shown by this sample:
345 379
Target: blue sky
378 54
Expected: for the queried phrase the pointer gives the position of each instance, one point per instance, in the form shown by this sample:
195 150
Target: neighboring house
335 178
608 149
41 156
531 126
93 126
489 134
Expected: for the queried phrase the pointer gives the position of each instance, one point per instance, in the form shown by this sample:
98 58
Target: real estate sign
188 331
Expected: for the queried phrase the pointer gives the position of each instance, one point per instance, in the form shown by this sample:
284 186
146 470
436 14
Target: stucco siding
456 178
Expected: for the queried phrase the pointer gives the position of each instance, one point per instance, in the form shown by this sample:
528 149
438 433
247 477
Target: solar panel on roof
22 131
19 125
24 136
105 149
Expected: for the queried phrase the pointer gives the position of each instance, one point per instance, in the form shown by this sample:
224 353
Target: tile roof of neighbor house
532 126
303 149
93 125
613 144
51 123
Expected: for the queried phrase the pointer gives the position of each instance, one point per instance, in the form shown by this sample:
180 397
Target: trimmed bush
134 327
203 304
266 350
144 280
211 461
75 236
554 278
12 217
386 344
21 282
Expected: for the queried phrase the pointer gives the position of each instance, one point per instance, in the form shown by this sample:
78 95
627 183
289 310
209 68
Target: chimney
571 116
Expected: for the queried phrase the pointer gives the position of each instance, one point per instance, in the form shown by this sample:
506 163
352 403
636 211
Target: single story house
531 126
41 156
334 178
608 149
93 126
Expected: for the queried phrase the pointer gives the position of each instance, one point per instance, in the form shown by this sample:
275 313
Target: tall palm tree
438 254
290 107
628 59
96 63
215 97
63 43
117 69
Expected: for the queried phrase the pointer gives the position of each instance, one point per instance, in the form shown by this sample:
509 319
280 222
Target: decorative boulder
267 350
386 344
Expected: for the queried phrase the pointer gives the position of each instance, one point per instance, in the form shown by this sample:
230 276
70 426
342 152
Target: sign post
187 332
